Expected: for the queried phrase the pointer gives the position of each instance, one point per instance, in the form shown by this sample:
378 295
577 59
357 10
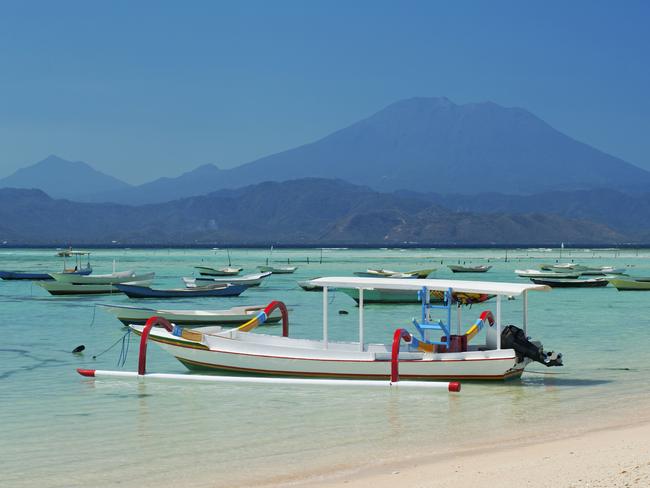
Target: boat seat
403 355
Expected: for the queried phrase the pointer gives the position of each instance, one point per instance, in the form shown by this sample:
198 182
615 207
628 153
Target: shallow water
61 430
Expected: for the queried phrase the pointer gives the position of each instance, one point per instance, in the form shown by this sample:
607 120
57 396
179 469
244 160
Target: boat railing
426 325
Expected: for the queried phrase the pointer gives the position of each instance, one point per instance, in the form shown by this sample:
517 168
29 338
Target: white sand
613 457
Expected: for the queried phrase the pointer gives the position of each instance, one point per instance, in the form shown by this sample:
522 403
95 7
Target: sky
146 89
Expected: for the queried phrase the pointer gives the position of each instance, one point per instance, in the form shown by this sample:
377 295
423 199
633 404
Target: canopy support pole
361 345
525 323
498 322
325 317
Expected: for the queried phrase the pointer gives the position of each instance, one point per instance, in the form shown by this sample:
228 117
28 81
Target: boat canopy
488 287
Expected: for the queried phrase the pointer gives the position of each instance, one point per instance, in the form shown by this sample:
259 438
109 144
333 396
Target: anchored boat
277 269
631 284
248 280
226 271
571 282
79 269
216 290
235 316
456 268
431 352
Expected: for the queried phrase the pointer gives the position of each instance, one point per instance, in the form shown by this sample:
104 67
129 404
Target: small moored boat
456 268
248 280
535 273
103 279
62 288
216 290
226 271
631 284
278 269
79 269
233 317
570 282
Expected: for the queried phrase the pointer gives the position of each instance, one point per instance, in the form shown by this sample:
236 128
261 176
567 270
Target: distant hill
201 180
627 213
307 211
424 145
63 179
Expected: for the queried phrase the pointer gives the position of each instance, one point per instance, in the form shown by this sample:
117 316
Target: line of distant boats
569 275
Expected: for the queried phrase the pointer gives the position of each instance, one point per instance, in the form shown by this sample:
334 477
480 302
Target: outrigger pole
98 373
141 374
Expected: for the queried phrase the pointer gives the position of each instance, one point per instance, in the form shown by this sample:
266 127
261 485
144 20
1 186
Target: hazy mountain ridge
308 211
418 144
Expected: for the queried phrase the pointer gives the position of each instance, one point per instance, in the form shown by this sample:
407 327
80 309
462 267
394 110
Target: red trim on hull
86 372
507 375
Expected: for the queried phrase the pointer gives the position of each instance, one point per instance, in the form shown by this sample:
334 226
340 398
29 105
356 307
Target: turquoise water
61 430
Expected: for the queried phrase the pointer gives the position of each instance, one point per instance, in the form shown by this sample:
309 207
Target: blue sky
150 88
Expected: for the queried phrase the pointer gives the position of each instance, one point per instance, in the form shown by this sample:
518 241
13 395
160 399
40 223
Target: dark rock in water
343 312
78 349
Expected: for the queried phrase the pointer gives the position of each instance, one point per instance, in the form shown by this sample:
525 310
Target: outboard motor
513 337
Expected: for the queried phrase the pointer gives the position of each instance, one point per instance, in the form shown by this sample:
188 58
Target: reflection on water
100 433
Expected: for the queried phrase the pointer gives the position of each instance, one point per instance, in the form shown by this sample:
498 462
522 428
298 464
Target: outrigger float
418 358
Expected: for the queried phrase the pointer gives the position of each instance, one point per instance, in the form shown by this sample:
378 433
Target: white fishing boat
418 355
225 271
457 268
63 288
388 273
103 279
254 279
232 317
278 269
535 273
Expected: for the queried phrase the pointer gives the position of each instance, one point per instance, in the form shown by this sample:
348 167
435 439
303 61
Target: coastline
605 453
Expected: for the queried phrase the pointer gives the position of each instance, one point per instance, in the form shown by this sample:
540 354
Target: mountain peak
61 178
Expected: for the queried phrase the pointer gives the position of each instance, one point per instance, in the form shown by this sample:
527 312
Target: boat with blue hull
220 290
78 270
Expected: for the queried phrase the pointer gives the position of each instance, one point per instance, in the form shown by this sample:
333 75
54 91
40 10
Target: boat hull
248 280
110 279
191 318
20 275
272 359
207 271
469 269
135 291
58 288
277 269
571 283
630 285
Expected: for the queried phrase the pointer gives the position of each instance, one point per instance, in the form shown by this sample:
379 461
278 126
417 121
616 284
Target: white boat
388 273
226 271
457 268
535 273
603 270
189 318
563 267
278 269
254 279
63 288
504 354
103 279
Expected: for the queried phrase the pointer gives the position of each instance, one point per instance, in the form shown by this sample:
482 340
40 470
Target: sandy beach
617 456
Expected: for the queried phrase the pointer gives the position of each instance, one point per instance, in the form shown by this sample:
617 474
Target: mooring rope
121 339
125 348
92 322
